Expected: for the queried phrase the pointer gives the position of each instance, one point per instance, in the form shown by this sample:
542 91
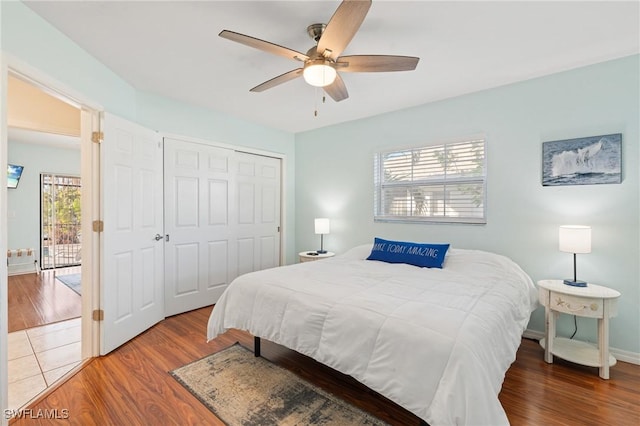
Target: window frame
380 185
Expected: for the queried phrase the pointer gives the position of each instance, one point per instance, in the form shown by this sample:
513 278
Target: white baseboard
22 271
626 356
533 334
619 354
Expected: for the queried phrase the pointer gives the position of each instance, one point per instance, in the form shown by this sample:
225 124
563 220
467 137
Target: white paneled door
258 220
132 282
199 261
222 219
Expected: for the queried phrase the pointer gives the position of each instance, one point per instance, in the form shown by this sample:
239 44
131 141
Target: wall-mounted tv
13 175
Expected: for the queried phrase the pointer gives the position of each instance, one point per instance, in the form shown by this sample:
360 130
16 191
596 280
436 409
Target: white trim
432 141
90 169
283 210
533 334
48 84
42 81
90 174
27 268
217 144
619 354
626 356
4 297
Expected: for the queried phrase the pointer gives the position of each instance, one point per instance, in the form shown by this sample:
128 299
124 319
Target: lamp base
575 283
321 251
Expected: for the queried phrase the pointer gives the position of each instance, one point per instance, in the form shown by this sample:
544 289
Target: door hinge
98 226
97 315
97 137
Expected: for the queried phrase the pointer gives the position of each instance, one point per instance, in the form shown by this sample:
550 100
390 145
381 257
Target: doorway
45 326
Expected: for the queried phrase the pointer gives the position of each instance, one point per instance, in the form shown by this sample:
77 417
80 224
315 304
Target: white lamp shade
322 225
319 75
575 239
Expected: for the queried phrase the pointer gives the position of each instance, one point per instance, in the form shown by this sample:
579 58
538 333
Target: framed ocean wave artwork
582 161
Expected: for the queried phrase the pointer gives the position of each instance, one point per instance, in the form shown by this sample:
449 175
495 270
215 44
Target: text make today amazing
406 249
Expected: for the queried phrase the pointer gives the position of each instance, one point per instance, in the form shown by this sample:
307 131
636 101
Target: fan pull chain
324 100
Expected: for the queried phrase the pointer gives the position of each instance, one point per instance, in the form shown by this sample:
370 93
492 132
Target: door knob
158 237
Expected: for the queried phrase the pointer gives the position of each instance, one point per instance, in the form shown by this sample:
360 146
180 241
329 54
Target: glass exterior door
60 235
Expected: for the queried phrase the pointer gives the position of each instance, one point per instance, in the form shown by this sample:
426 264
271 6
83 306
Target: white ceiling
172 48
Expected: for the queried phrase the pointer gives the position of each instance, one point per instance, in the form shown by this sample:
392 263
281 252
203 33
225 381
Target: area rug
241 389
72 281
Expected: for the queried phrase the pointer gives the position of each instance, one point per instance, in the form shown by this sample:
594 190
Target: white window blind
439 183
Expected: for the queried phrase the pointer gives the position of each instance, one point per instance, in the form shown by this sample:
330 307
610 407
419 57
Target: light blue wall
335 179
23 203
32 41
26 36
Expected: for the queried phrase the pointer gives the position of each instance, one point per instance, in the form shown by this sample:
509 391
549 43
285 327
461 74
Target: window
439 183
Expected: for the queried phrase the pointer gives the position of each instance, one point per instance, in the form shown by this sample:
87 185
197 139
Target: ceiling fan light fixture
324 58
319 73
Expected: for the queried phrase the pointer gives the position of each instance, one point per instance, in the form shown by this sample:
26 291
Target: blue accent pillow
418 254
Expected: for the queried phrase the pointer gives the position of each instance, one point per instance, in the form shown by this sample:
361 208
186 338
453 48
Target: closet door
258 220
222 218
200 258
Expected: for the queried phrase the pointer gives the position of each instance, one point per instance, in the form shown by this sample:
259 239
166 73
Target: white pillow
358 252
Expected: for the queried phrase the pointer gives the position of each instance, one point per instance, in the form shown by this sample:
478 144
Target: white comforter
436 341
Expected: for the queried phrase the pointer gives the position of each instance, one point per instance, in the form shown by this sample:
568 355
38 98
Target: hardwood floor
563 393
131 386
36 300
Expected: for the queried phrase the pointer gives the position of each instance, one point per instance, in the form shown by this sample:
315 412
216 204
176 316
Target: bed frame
256 346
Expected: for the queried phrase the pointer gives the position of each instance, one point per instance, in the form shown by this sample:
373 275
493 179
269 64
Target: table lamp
322 227
575 239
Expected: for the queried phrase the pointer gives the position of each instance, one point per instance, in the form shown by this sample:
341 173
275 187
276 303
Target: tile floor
39 356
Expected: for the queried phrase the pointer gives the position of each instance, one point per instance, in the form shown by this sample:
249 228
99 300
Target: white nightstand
310 256
593 301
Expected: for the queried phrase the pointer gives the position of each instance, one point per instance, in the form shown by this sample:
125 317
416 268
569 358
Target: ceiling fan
322 62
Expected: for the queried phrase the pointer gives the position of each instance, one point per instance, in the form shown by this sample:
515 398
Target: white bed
436 341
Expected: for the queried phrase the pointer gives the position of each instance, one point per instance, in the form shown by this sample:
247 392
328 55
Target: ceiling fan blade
376 63
263 45
337 90
342 26
282 78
